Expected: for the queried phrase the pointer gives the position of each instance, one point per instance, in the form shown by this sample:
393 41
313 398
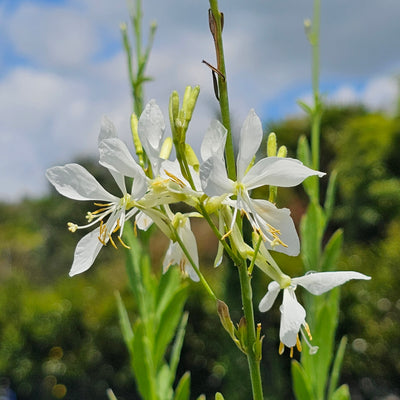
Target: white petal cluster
293 315
275 225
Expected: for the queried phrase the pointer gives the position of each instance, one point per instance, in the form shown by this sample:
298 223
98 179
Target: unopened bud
282 152
271 145
191 157
166 148
225 318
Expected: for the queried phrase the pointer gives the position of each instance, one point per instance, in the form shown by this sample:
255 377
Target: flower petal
151 127
114 155
107 130
268 300
214 179
250 139
321 282
270 217
143 221
86 252
278 171
293 316
214 141
75 182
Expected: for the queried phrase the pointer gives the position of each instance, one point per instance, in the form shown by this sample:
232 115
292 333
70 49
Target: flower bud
282 152
191 157
166 148
271 145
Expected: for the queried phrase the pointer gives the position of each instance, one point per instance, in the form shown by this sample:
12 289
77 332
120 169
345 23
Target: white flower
293 315
175 254
75 182
275 225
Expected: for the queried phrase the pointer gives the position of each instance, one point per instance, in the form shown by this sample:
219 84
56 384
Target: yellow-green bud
136 140
282 152
173 109
191 157
166 148
271 145
191 103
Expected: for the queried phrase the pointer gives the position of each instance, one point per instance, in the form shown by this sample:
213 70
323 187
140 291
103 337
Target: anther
281 348
72 227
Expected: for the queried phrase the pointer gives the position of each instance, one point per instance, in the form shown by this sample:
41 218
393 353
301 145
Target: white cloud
381 93
52 36
51 107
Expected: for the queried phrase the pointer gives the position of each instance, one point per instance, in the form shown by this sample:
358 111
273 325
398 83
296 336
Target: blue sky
62 67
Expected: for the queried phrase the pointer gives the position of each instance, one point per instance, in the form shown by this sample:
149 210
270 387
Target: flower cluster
148 188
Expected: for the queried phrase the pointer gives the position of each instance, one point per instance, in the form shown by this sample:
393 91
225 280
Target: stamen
72 227
307 328
122 242
102 233
89 216
281 348
291 352
298 344
175 179
312 349
118 226
112 241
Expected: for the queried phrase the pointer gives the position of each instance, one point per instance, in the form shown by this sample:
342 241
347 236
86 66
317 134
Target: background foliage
60 337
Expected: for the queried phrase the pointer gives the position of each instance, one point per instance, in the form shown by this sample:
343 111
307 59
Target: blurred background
62 67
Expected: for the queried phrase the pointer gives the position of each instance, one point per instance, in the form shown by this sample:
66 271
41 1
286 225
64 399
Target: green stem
223 91
247 301
195 267
316 115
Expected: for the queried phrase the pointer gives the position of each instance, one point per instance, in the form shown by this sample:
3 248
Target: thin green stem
195 267
223 90
316 115
247 302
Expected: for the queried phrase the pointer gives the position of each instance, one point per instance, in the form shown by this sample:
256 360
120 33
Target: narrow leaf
330 194
331 254
301 384
182 391
312 228
337 364
164 386
305 107
142 364
125 324
342 393
177 346
168 324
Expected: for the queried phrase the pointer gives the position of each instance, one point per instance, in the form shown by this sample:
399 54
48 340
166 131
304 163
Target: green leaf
201 397
218 396
168 323
330 194
142 363
305 107
125 324
324 322
182 391
303 151
136 267
301 384
332 251
312 228
337 364
342 393
167 287
177 346
164 385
